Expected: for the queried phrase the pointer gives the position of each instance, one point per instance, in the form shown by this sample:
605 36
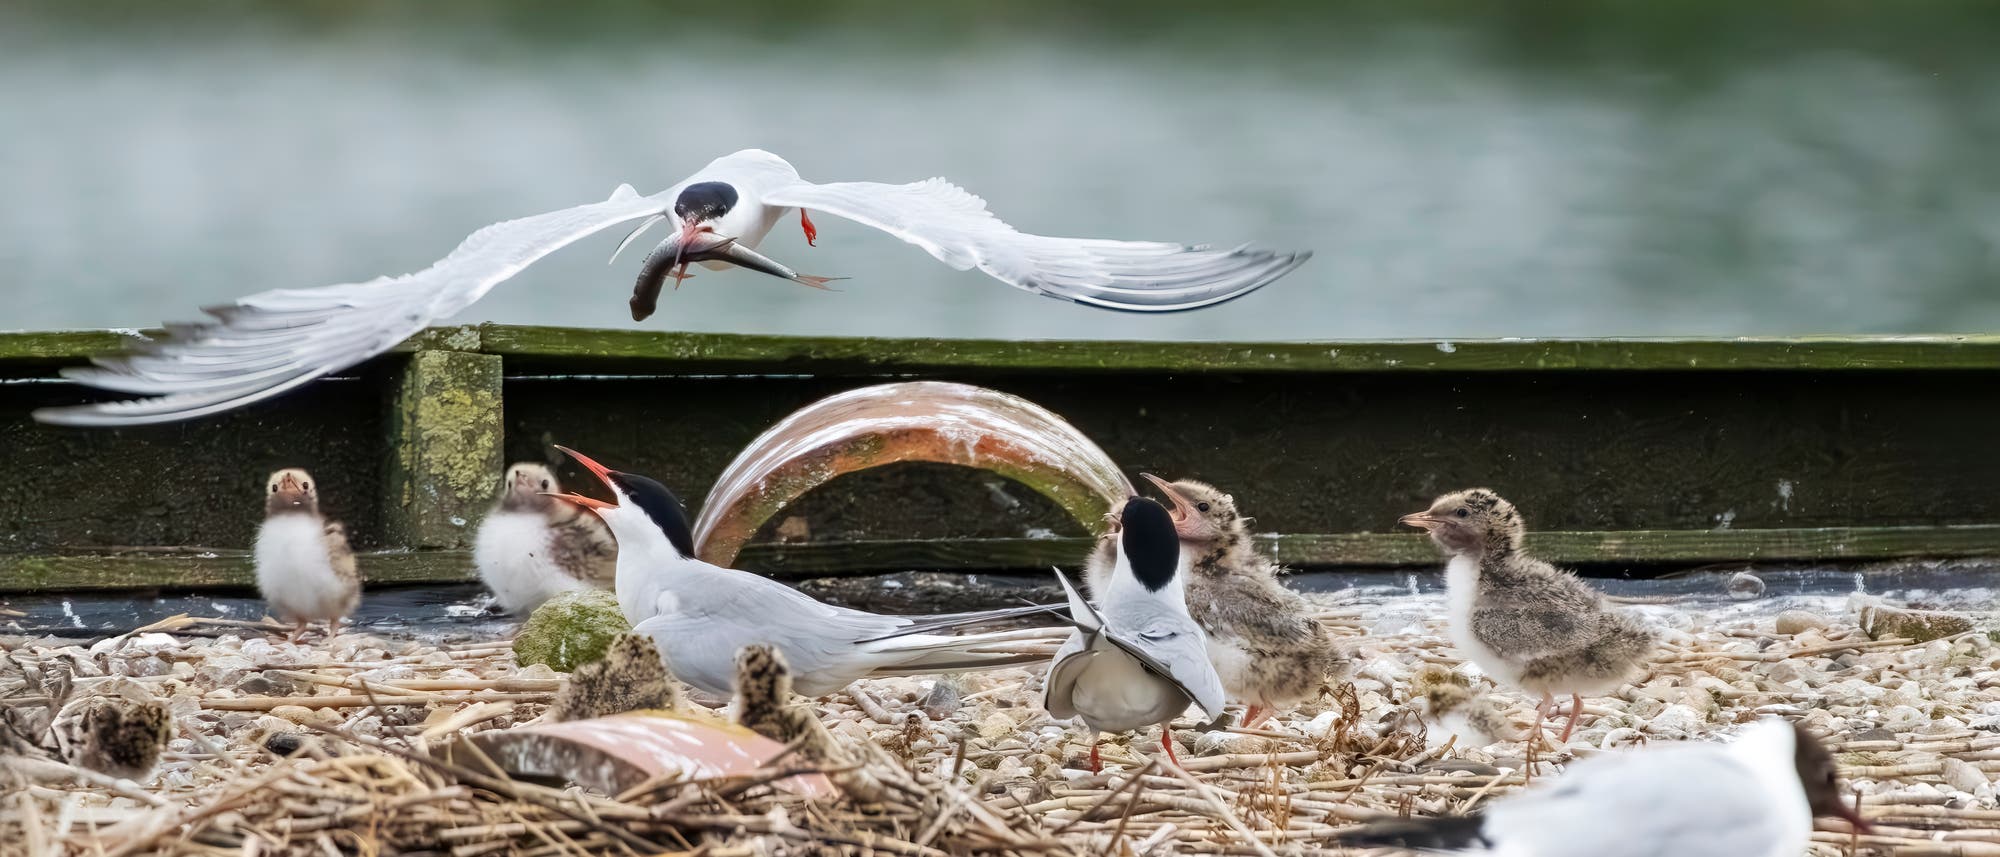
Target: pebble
1677 721
1744 586
944 699
1962 775
1797 621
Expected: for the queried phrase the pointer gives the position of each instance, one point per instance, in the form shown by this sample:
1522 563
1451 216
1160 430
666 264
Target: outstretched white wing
270 342
954 226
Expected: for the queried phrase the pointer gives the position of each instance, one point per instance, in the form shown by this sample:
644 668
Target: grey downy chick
632 676
305 569
533 546
1268 649
1527 623
1450 708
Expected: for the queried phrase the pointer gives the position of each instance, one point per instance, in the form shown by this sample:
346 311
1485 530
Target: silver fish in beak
672 257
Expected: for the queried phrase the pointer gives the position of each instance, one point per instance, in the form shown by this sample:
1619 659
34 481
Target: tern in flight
268 343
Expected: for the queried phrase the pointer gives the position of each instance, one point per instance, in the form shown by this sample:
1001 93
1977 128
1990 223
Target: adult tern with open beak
701 614
267 343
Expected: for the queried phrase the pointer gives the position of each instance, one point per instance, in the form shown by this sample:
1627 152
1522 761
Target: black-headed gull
1753 797
267 343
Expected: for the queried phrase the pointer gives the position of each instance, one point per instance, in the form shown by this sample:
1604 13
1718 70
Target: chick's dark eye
1202 507
305 486
1463 512
545 485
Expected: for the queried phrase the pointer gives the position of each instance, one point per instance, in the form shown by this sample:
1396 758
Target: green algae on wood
31 573
445 444
571 629
672 351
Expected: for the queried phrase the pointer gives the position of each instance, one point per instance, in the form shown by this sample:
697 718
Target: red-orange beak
289 483
1183 508
602 473
587 502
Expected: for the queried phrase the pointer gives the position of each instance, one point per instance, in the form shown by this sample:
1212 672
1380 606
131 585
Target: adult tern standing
271 342
1136 658
700 615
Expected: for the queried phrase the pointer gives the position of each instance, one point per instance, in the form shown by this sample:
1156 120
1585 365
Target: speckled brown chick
1268 649
533 546
764 704
632 676
114 735
1523 621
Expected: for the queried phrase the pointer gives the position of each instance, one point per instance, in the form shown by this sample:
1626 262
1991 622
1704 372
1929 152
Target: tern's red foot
1096 764
1575 708
1254 715
812 235
1167 741
680 274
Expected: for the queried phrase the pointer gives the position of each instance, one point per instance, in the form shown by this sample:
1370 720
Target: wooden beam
28 573
40 573
1380 550
683 353
445 449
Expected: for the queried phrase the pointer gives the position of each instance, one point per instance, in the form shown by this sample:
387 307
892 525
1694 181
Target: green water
1460 169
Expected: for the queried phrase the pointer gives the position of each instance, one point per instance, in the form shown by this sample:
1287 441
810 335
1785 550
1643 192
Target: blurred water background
1461 169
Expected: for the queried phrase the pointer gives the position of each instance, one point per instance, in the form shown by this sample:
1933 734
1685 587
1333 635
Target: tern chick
1754 797
632 676
764 705
115 735
305 570
1523 621
1137 658
1450 708
533 546
1262 637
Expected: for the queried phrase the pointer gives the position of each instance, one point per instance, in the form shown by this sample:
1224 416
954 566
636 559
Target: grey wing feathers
955 227
972 619
270 342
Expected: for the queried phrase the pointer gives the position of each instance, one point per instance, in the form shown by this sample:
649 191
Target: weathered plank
37 348
703 352
1388 550
44 572
445 443
31 573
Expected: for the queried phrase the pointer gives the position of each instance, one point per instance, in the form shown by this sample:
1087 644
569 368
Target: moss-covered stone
1923 626
571 629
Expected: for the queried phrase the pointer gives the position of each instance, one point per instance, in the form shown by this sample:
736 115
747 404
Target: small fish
671 259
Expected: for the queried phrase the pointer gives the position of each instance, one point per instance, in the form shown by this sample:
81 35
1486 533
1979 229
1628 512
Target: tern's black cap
705 200
1151 545
660 505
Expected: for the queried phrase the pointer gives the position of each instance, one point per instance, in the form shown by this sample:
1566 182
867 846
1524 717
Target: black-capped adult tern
1136 658
271 342
701 614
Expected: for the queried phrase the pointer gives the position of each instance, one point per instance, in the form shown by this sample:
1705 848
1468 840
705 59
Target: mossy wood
1637 451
